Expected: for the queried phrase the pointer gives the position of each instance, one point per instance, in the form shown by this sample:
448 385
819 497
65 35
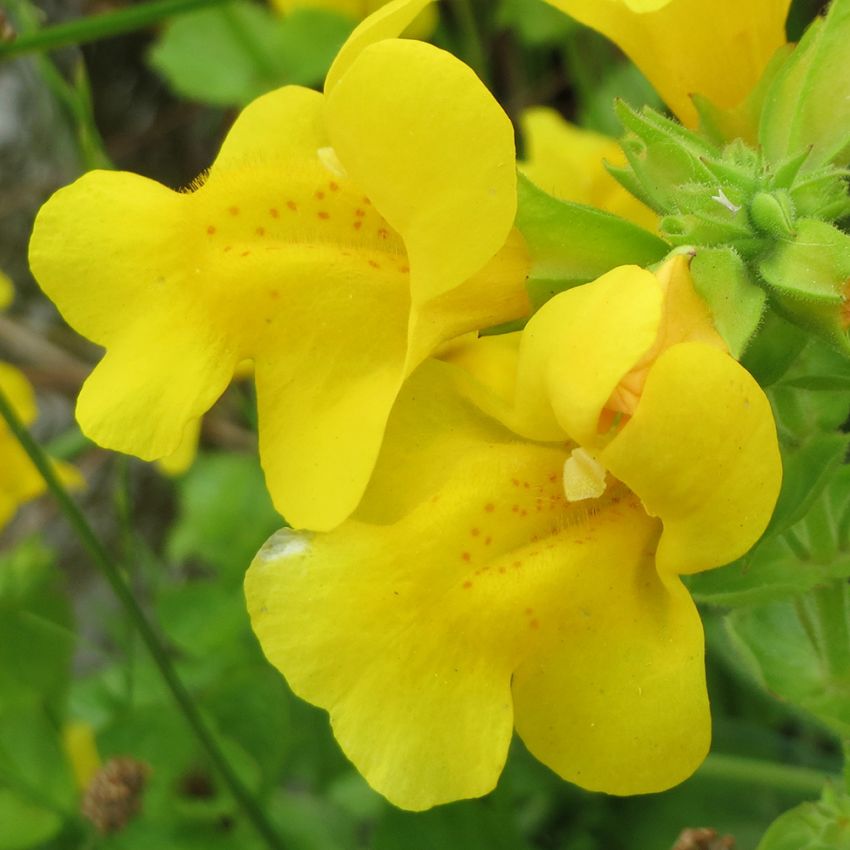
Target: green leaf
799 649
225 514
571 244
773 349
736 302
806 277
824 825
806 472
37 793
23 823
36 634
229 55
814 550
808 104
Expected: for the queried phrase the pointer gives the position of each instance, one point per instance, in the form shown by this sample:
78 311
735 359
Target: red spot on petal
488 541
515 482
358 225
534 624
273 213
274 293
261 231
228 248
333 186
465 556
320 195
516 564
489 507
324 215
359 213
291 205
367 201
529 611
404 269
233 210
373 264
244 253
474 532
210 230
553 477
383 233
467 585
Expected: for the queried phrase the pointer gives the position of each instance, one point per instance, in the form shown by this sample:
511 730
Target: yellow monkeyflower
716 48
7 291
493 579
20 481
336 241
568 162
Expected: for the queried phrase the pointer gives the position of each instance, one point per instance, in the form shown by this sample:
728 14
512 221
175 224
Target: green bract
763 217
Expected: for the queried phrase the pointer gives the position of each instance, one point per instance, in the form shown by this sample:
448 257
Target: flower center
584 476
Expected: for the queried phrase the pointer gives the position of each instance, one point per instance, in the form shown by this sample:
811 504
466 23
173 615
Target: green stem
781 777
264 62
832 614
95 27
473 45
111 572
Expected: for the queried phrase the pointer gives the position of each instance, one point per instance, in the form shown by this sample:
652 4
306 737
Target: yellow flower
80 746
20 481
568 162
7 291
716 48
336 242
494 580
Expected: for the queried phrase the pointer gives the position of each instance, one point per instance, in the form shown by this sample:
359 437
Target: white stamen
584 476
285 543
328 158
721 199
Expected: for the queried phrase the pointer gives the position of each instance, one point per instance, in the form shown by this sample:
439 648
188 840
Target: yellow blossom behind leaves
7 291
715 48
80 746
474 593
336 241
568 162
20 481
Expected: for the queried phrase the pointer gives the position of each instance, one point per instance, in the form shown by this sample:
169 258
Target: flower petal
271 131
407 121
390 21
616 701
579 346
20 481
701 452
716 48
324 397
165 371
109 244
184 455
